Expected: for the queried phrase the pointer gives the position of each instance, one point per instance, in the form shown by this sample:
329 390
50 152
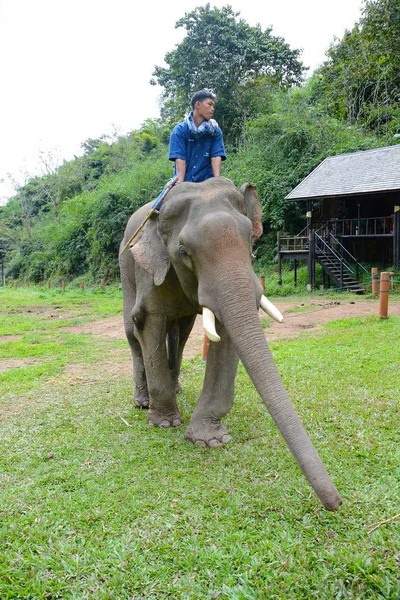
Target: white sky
74 69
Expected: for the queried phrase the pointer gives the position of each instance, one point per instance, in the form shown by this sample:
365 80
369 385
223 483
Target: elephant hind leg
141 393
141 396
163 410
185 326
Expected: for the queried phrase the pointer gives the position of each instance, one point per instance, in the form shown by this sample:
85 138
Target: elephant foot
207 433
141 400
165 419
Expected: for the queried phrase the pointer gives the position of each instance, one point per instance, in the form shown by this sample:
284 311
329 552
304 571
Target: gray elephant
196 257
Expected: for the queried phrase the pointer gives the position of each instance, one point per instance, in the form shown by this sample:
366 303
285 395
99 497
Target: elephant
195 257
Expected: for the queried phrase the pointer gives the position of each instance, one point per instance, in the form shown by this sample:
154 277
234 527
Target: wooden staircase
338 263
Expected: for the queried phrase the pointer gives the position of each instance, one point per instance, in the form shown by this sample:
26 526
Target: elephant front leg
163 410
205 427
141 394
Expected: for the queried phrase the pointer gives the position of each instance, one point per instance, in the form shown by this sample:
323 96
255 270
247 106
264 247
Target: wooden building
352 217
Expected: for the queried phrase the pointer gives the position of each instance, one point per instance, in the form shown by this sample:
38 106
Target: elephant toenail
165 424
176 422
214 443
141 403
200 443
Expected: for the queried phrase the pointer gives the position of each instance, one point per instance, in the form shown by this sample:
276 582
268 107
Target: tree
27 199
360 81
223 53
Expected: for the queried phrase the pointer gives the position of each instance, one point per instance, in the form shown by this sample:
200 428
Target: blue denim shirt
196 151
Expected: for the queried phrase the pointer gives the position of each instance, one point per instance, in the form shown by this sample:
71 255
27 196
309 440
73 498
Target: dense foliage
360 82
96 195
70 221
282 146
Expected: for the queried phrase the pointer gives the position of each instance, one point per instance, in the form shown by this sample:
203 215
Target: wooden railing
293 243
373 226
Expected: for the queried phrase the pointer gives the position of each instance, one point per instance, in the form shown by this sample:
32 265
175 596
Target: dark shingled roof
350 174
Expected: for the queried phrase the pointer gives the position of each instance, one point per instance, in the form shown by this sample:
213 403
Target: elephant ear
253 208
150 252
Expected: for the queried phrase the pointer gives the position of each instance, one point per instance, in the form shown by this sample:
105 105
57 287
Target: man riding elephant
196 145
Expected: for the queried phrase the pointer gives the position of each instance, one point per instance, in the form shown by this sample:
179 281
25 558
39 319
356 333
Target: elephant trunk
240 318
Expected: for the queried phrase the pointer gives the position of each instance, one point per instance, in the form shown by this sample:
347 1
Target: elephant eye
182 250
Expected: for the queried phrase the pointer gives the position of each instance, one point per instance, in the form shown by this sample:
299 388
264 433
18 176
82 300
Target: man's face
205 109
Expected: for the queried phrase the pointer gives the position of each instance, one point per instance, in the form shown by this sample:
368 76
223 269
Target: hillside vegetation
277 127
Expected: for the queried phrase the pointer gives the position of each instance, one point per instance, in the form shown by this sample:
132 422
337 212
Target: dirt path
311 315
298 317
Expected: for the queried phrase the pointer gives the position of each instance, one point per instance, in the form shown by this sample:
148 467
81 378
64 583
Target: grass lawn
96 504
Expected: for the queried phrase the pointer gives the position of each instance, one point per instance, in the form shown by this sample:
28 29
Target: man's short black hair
201 96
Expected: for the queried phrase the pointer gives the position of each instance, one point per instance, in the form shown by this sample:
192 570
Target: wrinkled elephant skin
197 253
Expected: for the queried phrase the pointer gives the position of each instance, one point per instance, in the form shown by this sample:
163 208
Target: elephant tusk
209 325
270 309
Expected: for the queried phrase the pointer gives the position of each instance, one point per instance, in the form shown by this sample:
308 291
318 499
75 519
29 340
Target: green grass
92 508
101 302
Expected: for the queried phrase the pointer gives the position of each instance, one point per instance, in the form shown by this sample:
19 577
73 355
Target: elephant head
201 243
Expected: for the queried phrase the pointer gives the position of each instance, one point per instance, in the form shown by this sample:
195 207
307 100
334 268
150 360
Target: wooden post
309 216
102 284
384 295
396 238
279 260
374 280
341 274
295 272
49 284
206 348
63 285
262 281
311 261
83 285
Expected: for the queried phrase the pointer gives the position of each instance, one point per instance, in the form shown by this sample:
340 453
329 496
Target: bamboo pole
152 211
